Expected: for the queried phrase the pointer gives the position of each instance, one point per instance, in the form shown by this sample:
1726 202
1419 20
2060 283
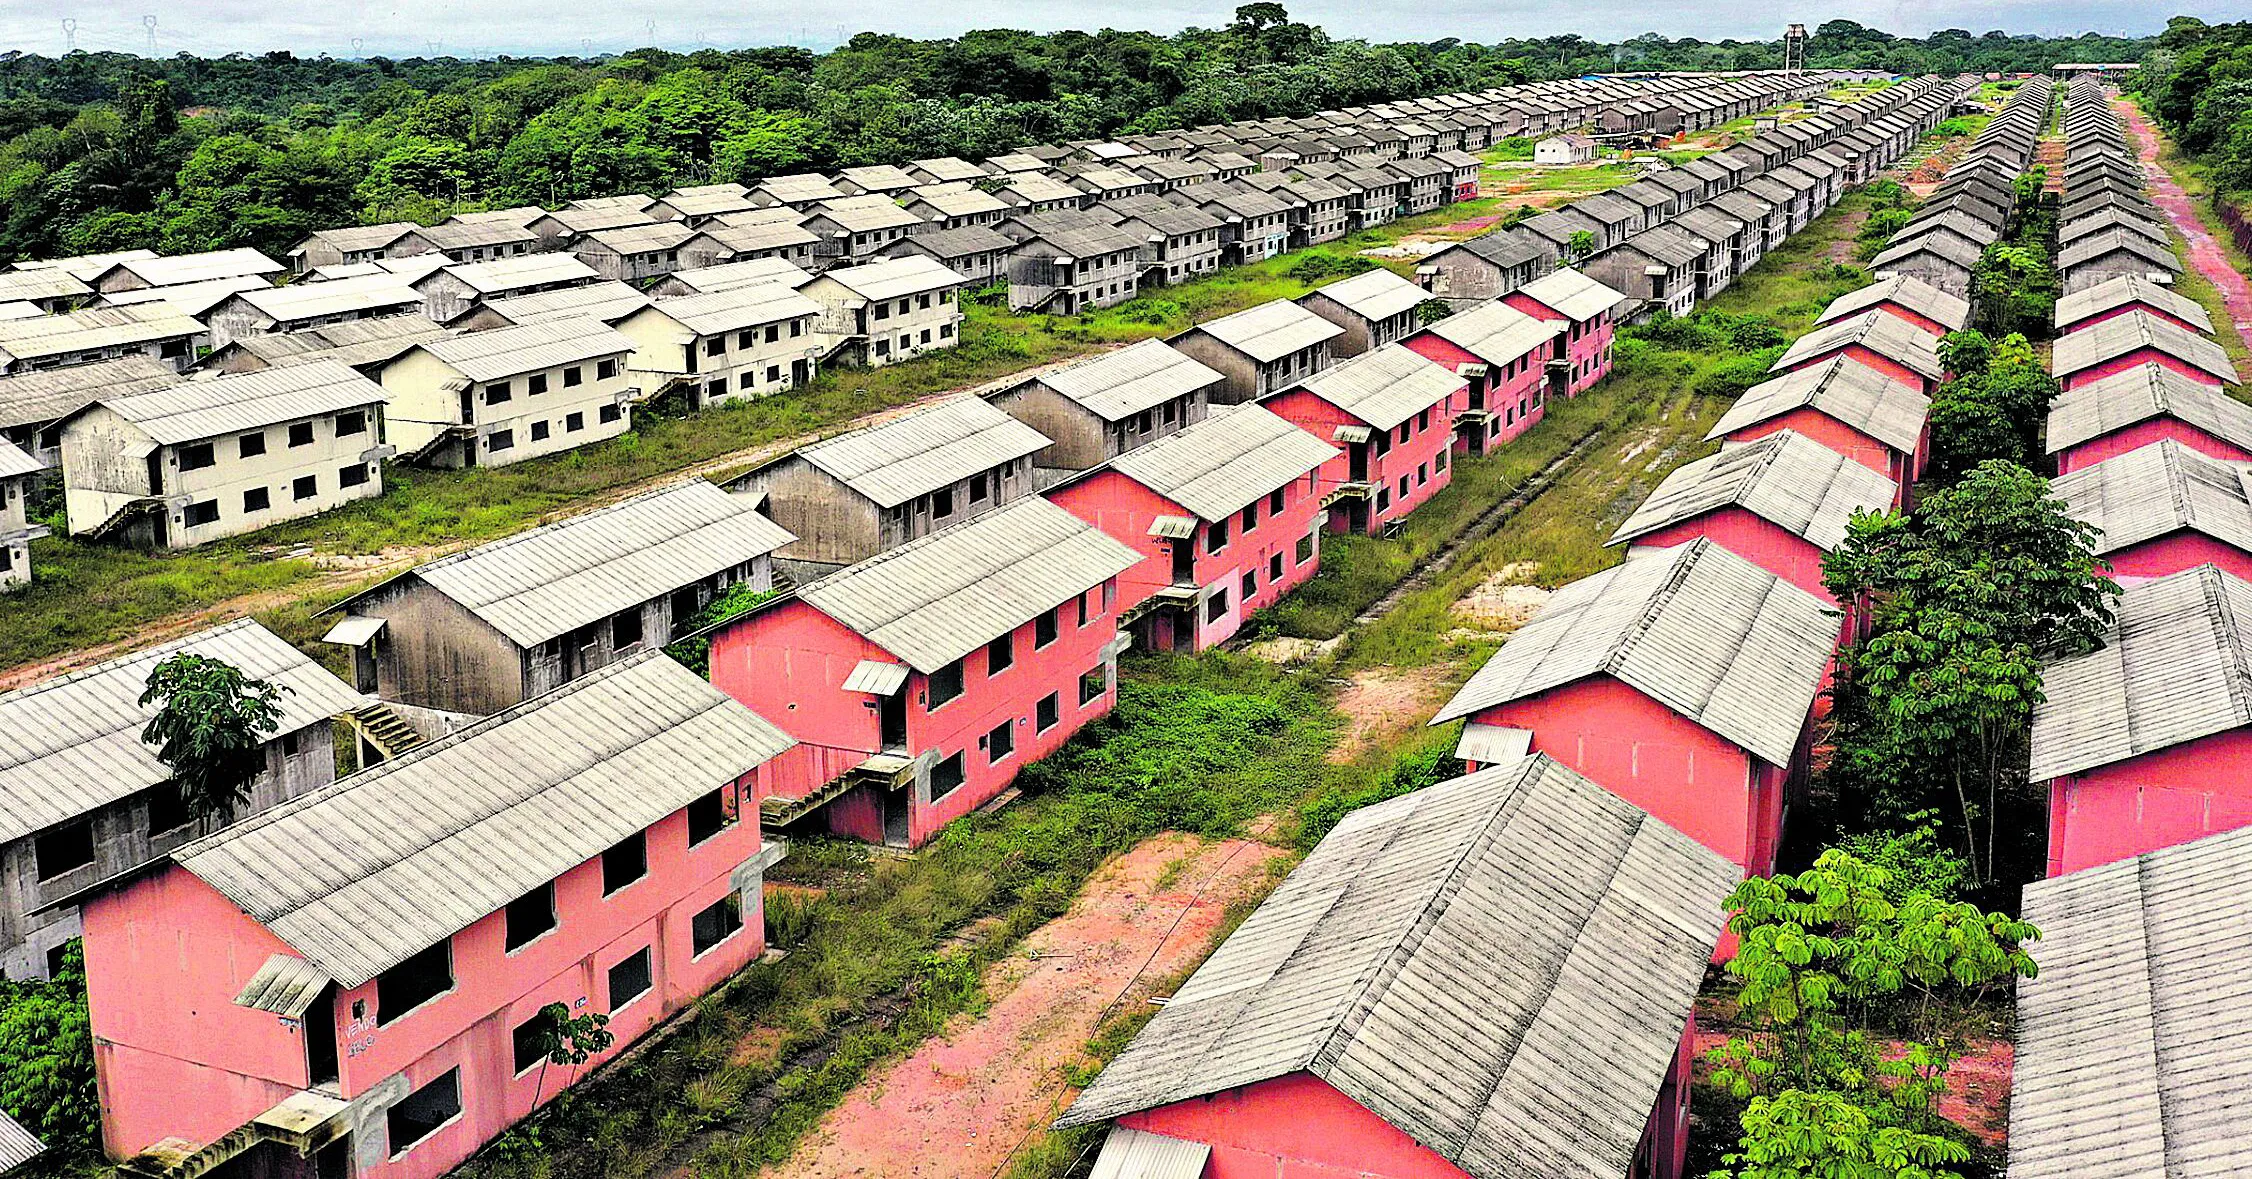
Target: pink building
2136 338
1853 409
2129 292
2135 407
1920 304
1490 978
1393 412
1588 307
1887 343
1681 680
2147 743
1226 515
920 681
1502 355
1781 503
353 984
2161 509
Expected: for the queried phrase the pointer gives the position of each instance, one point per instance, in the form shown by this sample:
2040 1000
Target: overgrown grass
2196 180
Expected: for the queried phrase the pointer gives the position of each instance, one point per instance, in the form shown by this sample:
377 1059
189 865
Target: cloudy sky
403 27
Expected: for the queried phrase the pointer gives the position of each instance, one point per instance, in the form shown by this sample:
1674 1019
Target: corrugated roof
1128 1153
353 239
1503 248
608 302
14 463
73 743
84 267
949 168
362 874
1375 294
1270 331
864 215
2139 394
2129 289
94 327
2156 490
731 275
528 270
2100 343
2176 666
958 200
50 283
1384 386
1786 478
506 352
1235 457
39 397
550 580
2095 245
1119 384
2132 1058
195 299
918 452
1571 294
1887 335
1912 293
1497 333
894 278
1695 627
639 239
177 269
342 296
1499 966
738 308
1843 388
190 411
937 598
17 1145
955 243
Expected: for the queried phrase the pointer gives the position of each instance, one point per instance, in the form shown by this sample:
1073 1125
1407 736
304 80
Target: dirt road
2205 251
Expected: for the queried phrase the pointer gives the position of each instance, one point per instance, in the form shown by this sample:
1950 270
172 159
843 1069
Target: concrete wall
1362 334
571 414
1752 537
1082 440
2166 797
1901 467
2142 434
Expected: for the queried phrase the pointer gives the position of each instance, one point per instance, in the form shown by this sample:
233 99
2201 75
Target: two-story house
890 310
1260 349
1392 410
1503 356
17 471
155 330
750 341
1096 409
488 399
1588 309
1374 309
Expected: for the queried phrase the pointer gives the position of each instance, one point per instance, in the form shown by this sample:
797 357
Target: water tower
1794 49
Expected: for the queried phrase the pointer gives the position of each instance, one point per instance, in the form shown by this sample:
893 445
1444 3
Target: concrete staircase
382 732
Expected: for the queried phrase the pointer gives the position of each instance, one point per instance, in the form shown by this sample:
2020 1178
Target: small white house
890 310
737 344
488 399
17 470
195 461
1568 148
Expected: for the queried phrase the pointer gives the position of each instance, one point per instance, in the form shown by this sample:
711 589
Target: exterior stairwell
383 733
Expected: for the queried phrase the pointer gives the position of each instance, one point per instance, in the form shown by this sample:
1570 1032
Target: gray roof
917 452
41 396
170 270
17 1145
73 743
2095 245
1500 966
352 341
52 282
958 200
342 296
964 242
729 275
1502 248
1270 331
937 598
355 238
1571 294
1888 336
1695 627
1374 294
190 411
1384 386
1787 479
526 270
2176 666
892 278
1119 384
2156 490
549 580
653 238
14 463
2129 289
605 301
96 327
1937 243
736 308
506 352
1843 388
2100 343
366 872
1913 293
1091 238
2132 1057
1232 458
1495 332
2146 391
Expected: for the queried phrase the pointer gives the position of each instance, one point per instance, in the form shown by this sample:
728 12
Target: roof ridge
552 526
108 665
2240 661
1684 563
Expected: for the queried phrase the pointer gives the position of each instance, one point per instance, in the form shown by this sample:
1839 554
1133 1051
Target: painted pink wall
2143 433
1423 461
2124 308
1903 469
2173 553
1861 354
1587 345
1922 322
2135 359
2160 799
167 954
1124 510
1685 774
1300 1127
1755 539
789 664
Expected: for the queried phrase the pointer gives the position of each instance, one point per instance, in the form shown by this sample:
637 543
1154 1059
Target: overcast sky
403 27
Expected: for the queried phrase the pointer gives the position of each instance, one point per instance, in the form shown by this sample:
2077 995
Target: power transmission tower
149 22
70 35
1794 49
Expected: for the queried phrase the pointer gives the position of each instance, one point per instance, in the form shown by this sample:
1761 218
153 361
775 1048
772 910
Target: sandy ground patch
1503 602
1291 650
959 1105
1382 701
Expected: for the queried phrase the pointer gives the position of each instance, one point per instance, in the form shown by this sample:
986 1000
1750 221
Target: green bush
1316 266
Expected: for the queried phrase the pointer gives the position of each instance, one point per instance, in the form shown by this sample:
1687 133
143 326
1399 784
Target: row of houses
2128 1047
1681 235
1974 205
1648 729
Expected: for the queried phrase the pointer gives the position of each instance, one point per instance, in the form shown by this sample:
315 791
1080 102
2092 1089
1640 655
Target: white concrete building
737 344
488 399
891 310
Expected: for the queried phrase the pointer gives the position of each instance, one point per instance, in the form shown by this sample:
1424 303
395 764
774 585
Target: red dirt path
959 1106
2205 251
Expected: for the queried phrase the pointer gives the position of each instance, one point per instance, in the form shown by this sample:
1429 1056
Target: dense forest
112 151
2198 82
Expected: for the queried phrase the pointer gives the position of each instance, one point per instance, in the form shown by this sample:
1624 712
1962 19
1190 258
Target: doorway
897 808
892 717
319 1023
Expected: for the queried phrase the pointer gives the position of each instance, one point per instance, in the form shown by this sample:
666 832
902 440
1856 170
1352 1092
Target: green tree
210 729
47 1060
569 1040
